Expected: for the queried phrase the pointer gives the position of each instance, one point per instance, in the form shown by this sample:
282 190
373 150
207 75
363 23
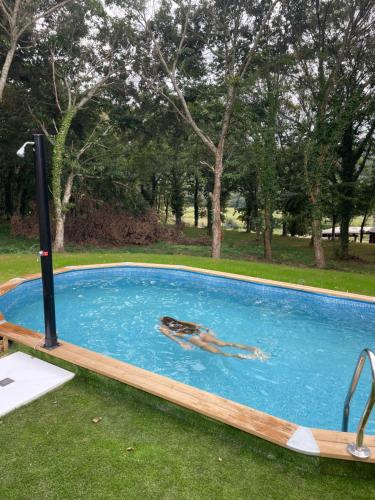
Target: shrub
97 225
107 225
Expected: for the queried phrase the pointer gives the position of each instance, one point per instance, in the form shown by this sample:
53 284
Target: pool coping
310 441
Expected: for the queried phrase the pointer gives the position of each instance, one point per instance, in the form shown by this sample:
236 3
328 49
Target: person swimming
188 334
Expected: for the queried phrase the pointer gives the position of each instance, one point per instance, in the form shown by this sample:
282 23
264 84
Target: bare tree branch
42 15
54 82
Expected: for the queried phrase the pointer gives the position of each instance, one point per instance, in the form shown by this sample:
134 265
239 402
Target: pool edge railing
358 449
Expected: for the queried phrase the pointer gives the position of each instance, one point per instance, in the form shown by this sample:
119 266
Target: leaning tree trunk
216 206
317 243
57 170
362 228
6 67
267 233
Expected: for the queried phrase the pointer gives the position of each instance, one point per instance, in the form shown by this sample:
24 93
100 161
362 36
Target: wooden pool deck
316 442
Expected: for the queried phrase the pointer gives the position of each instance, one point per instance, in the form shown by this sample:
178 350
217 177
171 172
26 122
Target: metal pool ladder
358 449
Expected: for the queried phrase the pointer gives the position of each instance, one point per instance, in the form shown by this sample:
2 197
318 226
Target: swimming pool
313 340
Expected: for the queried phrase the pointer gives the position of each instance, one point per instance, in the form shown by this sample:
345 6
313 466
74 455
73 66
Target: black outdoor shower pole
45 242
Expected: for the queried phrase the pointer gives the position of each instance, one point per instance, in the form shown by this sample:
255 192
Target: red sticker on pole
43 253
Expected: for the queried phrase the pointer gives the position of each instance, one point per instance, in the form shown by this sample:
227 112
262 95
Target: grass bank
292 253
12 265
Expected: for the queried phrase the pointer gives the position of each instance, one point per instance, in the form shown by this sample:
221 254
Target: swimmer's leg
197 341
207 337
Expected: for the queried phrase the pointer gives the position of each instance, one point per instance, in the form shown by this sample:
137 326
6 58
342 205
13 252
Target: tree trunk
57 170
177 196
344 233
60 218
158 204
166 202
216 206
178 219
346 189
248 223
267 234
257 227
154 190
6 67
333 233
362 228
209 214
196 201
317 243
58 244
285 229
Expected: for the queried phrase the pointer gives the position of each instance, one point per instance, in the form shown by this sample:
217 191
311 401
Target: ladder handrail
366 353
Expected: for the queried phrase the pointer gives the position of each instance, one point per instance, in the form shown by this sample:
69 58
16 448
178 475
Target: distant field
233 222
231 216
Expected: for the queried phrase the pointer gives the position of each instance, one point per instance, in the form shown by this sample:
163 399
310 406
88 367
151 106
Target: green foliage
301 137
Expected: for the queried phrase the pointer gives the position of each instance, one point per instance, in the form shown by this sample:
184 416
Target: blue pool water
313 340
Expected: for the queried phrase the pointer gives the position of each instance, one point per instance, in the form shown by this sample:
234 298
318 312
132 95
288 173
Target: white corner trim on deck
303 441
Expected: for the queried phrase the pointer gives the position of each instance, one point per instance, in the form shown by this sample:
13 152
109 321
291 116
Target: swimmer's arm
170 335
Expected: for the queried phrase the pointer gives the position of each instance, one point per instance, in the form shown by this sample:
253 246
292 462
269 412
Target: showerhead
21 151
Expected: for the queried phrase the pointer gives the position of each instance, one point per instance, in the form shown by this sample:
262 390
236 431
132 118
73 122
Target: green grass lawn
146 447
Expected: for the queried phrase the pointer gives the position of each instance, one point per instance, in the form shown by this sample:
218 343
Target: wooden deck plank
341 437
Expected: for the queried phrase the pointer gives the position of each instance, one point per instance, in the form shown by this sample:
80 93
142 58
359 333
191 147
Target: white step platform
24 378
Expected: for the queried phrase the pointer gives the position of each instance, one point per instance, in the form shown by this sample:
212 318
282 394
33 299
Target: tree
267 162
229 29
356 98
19 17
321 35
84 57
